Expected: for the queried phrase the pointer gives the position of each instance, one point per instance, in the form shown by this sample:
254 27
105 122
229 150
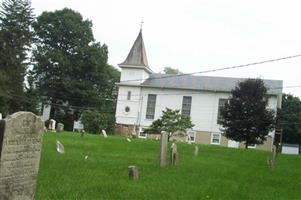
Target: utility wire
33 101
217 69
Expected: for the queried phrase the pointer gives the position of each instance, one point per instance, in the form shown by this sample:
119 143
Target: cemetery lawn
216 173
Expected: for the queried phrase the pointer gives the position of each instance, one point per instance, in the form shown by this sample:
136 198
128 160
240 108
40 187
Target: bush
94 121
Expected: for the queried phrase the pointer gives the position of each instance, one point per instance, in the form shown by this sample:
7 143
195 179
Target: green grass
217 173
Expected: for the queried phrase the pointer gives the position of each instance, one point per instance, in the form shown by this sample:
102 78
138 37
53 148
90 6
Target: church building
144 94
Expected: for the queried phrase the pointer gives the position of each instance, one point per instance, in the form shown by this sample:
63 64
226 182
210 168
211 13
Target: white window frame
141 131
219 139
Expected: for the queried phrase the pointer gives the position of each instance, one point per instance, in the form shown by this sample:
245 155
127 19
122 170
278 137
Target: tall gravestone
163 148
20 142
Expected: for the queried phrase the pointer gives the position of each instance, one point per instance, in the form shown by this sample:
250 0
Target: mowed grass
216 173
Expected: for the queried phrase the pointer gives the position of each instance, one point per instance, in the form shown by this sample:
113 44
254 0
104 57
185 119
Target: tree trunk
247 144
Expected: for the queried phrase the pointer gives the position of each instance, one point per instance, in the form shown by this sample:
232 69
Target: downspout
140 107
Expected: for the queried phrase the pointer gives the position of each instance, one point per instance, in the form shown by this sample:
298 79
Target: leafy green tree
16 18
70 67
245 117
171 121
172 71
31 95
94 121
289 118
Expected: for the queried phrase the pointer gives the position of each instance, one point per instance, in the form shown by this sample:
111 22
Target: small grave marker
104 133
51 125
60 147
60 127
174 154
133 173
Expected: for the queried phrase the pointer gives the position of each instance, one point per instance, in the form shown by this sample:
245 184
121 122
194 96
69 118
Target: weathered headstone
174 154
60 127
20 155
52 125
133 173
60 147
163 148
196 150
104 133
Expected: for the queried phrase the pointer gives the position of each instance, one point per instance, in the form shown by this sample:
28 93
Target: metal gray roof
206 83
137 54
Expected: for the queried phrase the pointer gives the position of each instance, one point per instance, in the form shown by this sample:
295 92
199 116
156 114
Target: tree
70 67
171 121
31 95
172 71
245 117
289 118
94 121
16 18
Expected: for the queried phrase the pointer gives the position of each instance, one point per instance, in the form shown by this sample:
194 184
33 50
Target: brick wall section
202 137
123 129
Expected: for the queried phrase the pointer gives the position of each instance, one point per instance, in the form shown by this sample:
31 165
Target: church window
129 95
186 105
151 106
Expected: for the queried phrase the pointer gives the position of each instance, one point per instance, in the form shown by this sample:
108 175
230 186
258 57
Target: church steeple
137 55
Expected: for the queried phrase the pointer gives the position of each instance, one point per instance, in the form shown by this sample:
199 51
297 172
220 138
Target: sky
198 35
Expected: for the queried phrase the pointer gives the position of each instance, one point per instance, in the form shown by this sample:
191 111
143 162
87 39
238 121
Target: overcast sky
197 35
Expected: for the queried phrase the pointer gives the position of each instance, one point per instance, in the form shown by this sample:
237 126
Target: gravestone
163 148
52 125
133 173
60 127
20 142
60 147
104 133
174 154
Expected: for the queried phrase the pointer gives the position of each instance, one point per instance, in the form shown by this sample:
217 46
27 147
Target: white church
143 95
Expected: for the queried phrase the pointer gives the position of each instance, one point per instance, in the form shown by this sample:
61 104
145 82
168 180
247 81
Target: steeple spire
137 54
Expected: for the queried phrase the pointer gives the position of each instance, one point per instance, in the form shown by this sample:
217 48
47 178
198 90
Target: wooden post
274 154
174 154
82 132
196 150
272 160
163 148
133 173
